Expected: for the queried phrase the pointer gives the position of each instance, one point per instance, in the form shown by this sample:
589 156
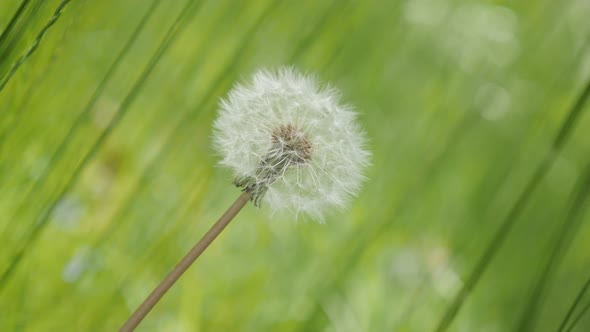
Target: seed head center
292 144
290 147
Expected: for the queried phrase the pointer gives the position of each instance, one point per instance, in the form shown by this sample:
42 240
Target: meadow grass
474 217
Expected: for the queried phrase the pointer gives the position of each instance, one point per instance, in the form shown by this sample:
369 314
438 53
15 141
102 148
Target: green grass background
107 175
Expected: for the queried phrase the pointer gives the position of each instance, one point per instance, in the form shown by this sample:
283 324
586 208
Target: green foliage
107 175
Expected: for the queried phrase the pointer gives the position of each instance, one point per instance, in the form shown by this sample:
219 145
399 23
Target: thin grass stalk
13 30
510 220
11 24
574 305
578 317
41 221
571 224
79 121
4 80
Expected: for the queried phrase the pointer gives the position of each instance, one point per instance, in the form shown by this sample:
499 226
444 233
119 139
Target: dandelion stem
184 264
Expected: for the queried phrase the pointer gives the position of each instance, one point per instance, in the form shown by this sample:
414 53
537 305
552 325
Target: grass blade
41 221
516 210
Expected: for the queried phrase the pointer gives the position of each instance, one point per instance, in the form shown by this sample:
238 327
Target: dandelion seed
291 144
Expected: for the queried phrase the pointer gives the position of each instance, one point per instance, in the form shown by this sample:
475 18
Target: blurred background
473 217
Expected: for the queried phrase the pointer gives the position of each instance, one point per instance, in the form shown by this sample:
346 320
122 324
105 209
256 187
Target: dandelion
291 145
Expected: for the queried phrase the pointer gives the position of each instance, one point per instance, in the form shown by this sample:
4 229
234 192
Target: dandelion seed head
291 143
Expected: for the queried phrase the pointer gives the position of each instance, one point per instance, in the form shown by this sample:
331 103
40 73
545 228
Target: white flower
291 144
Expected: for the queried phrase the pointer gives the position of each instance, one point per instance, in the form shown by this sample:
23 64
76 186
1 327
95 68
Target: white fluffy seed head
291 144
